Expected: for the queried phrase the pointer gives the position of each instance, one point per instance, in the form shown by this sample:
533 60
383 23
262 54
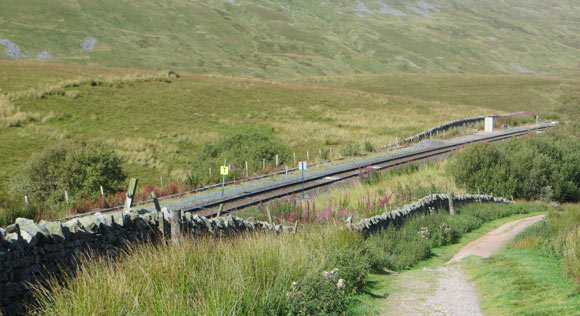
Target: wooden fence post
269 216
451 206
130 194
155 201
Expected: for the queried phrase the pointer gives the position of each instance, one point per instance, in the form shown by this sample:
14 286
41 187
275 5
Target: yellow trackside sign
224 170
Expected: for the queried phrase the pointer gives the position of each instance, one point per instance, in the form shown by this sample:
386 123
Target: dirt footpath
446 290
491 242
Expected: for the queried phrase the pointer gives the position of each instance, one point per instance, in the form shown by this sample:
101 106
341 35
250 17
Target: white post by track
163 186
294 158
277 161
303 165
247 174
26 201
66 196
489 124
102 191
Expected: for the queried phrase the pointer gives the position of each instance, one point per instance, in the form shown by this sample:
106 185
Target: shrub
237 149
77 167
400 247
351 149
532 168
369 147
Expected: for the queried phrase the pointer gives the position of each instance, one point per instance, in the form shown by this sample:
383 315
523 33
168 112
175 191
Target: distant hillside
282 38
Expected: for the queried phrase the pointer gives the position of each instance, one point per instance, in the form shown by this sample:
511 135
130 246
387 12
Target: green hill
275 38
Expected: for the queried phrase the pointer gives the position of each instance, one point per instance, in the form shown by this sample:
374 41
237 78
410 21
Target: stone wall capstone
423 206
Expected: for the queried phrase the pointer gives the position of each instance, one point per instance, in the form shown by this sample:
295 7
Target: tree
78 167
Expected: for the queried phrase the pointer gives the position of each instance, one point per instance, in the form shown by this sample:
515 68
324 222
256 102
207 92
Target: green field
314 74
274 38
157 126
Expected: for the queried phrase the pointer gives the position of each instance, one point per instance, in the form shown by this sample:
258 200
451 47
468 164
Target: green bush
369 147
533 168
238 149
351 149
79 168
400 247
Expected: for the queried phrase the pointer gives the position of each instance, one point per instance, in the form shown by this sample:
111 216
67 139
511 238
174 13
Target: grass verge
536 274
379 283
255 274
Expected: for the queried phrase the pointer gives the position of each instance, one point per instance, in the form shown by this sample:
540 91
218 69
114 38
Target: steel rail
406 157
267 194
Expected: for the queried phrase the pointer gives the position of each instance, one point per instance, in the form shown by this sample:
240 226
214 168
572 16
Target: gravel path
491 242
441 291
446 290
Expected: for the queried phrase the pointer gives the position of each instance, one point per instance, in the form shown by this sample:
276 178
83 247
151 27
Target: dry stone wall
446 126
29 251
423 206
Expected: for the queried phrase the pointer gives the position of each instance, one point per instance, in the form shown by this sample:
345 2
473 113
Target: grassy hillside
277 38
507 93
157 126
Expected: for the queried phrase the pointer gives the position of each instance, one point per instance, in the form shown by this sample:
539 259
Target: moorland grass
537 273
277 38
157 127
254 273
249 275
506 93
362 198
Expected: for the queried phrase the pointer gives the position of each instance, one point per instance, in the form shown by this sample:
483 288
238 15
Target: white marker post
26 200
247 169
102 191
302 166
66 196
224 171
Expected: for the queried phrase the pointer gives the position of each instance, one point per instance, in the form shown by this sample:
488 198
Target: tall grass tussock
317 271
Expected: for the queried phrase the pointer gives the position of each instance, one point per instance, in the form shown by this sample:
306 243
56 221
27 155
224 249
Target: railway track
248 199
